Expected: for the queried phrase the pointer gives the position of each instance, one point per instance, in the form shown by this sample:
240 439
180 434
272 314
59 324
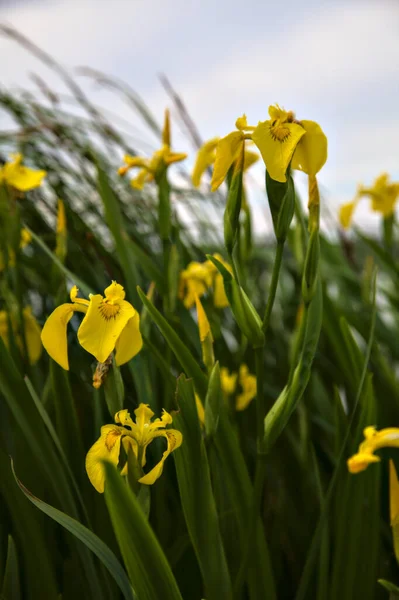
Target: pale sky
333 62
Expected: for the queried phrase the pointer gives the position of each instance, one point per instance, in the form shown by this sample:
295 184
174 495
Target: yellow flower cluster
383 194
196 280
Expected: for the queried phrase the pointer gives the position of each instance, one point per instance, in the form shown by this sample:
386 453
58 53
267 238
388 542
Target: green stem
273 285
260 472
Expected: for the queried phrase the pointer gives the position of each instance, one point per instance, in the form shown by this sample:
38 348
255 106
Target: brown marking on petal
111 438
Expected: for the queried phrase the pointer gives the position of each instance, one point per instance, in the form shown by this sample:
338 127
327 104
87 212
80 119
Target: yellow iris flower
151 167
383 194
19 177
228 149
135 436
228 383
374 440
283 140
25 239
206 157
110 323
197 278
32 332
247 382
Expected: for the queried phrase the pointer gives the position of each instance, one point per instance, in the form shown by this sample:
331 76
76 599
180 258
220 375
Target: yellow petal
203 323
174 439
277 152
359 462
226 152
248 384
219 295
393 493
54 334
144 415
114 292
107 447
26 238
139 181
129 342
174 157
135 161
200 409
205 158
4 327
346 213
32 335
20 177
102 326
311 152
227 381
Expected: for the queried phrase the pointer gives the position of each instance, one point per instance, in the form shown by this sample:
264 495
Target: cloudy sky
334 62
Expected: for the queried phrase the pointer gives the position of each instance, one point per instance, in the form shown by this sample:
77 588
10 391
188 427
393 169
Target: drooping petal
102 326
107 447
130 342
277 146
205 158
311 152
54 334
139 181
32 335
226 152
174 439
373 441
203 322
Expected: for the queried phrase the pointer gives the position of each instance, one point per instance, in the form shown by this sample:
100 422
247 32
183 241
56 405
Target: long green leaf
197 498
93 542
145 561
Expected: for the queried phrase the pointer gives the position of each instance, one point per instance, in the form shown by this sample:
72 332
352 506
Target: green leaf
11 584
114 389
182 353
146 564
390 587
197 498
93 542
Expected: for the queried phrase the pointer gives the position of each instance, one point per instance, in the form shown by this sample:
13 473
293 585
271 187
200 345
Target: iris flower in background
25 239
150 168
198 278
110 323
20 177
32 331
383 194
134 436
246 381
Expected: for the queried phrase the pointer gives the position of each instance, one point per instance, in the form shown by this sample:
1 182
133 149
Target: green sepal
281 198
212 401
243 310
233 205
311 267
164 207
